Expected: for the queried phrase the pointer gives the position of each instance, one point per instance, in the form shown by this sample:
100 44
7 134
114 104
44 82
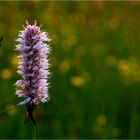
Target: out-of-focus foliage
95 69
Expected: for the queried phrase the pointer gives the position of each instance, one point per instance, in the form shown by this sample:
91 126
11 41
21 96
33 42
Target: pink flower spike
33 65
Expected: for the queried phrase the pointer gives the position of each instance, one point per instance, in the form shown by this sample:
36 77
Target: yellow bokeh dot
77 81
12 110
6 73
64 66
129 69
101 120
111 60
116 132
124 67
14 60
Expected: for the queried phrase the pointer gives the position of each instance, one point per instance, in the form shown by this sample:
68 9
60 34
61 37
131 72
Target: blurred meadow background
95 69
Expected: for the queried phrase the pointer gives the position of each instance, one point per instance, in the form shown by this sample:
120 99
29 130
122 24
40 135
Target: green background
95 69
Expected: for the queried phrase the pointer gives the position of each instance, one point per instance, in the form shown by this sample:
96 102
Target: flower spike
33 65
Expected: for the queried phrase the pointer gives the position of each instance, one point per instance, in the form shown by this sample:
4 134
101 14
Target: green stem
35 132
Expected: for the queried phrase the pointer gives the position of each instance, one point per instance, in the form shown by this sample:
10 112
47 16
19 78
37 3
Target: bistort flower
33 65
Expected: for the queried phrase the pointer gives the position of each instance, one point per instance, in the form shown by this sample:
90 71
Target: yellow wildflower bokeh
6 73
